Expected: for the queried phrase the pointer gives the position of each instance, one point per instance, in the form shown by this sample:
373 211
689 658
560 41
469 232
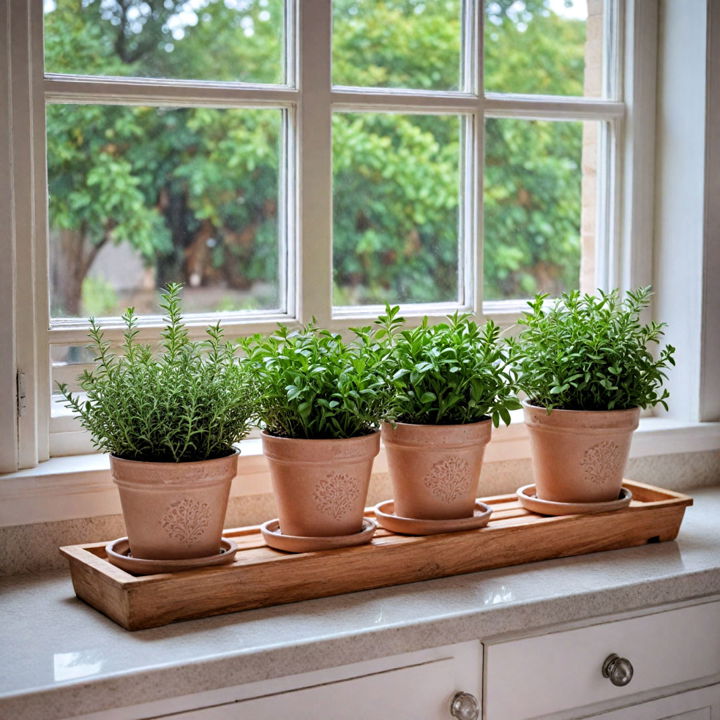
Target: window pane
232 40
139 197
539 194
397 43
396 208
547 47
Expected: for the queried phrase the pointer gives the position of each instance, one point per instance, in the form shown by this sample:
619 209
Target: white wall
680 196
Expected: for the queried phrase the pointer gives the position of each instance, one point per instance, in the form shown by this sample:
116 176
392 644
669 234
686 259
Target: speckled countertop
59 657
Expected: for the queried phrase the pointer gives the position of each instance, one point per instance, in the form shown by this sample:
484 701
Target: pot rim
355 438
529 406
452 426
170 463
321 451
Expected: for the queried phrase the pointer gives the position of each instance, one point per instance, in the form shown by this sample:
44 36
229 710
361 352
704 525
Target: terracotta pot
435 469
172 510
320 486
579 455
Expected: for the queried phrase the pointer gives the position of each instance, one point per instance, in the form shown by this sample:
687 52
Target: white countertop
59 657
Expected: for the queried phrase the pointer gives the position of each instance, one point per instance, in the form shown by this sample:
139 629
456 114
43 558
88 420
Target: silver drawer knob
465 706
618 669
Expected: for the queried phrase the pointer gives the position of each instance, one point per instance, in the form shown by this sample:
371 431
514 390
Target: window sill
65 488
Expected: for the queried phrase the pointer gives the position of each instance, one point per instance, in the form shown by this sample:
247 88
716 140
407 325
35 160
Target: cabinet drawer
536 676
417 692
411 692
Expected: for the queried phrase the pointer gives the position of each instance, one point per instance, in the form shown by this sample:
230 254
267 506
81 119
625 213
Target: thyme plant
191 402
313 384
590 352
448 374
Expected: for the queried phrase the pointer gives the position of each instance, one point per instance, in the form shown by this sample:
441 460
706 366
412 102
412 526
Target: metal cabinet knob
465 706
618 669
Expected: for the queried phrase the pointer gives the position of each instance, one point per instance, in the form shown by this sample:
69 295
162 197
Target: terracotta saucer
299 544
417 526
118 553
528 499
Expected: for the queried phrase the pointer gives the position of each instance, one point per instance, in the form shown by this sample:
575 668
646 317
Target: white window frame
624 260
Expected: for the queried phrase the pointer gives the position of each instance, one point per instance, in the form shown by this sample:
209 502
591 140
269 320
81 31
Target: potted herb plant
320 404
585 365
169 423
451 381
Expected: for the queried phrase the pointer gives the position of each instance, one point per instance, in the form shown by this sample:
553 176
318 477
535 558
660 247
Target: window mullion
635 240
477 153
27 178
8 277
315 173
41 269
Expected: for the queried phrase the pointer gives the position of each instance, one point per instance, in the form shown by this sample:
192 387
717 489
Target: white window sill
65 488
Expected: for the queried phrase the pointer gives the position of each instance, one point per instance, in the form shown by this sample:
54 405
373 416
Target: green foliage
590 352
452 373
397 43
192 402
313 384
397 183
99 296
164 179
532 198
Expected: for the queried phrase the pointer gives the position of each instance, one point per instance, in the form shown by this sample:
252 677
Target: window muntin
218 40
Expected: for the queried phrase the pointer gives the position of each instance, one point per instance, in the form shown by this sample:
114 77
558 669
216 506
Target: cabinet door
409 693
701 704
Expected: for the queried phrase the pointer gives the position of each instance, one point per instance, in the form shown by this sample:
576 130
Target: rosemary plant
191 402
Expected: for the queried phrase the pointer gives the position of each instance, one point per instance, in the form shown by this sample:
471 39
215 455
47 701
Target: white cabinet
556 675
701 704
561 672
409 693
412 686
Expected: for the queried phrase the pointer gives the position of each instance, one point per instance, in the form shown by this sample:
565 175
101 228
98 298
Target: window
286 159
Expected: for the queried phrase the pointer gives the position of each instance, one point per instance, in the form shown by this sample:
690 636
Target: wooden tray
260 576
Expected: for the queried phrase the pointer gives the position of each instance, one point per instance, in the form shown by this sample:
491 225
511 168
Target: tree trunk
71 258
67 272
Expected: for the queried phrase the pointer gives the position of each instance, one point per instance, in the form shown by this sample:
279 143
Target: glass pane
397 43
396 208
547 47
139 197
540 197
231 40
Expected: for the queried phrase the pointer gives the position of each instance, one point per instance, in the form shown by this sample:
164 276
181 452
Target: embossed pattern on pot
601 461
336 494
449 479
186 520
